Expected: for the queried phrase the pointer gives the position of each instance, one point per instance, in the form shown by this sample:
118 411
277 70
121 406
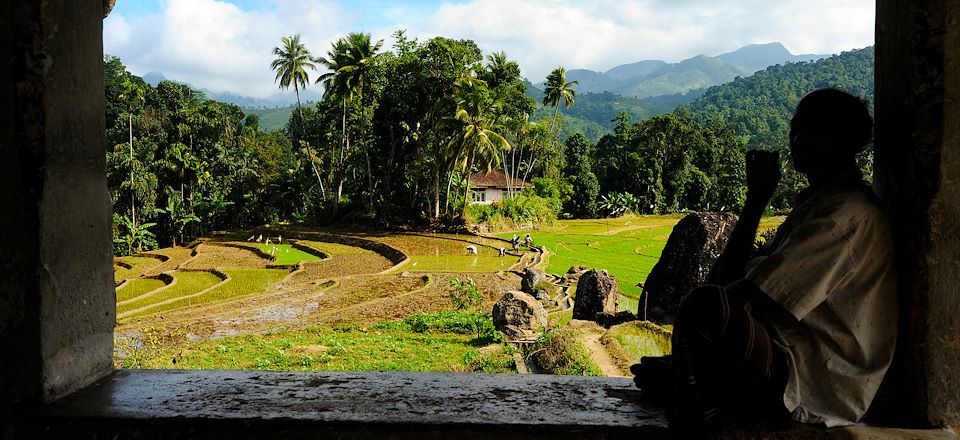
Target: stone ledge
252 404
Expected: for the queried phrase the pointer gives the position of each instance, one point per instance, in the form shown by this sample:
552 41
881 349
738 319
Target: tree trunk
436 189
133 203
339 172
466 186
385 205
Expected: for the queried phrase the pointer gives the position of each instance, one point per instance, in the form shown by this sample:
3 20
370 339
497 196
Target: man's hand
763 174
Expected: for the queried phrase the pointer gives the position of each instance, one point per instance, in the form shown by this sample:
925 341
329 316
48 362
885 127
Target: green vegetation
559 352
137 287
186 283
241 282
387 346
138 266
285 254
627 247
758 108
642 338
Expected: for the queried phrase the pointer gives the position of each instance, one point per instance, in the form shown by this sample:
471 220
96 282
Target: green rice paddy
242 282
140 265
285 254
187 283
137 287
627 247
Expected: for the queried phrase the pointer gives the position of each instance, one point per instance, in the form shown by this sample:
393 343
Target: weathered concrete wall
918 176
56 271
19 189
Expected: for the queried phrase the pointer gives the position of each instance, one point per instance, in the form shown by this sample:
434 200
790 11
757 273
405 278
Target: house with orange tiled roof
489 186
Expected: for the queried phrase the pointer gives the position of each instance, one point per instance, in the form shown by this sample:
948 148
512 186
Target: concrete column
57 309
918 175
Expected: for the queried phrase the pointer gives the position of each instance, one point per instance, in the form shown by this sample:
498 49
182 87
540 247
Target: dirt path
589 334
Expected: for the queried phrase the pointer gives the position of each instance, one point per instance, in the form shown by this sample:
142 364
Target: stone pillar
57 309
918 176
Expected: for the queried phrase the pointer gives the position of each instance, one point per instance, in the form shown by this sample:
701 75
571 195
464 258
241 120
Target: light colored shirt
831 267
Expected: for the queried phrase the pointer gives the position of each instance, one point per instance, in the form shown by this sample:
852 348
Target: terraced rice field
139 266
240 282
285 254
219 255
185 283
626 247
448 252
344 307
136 287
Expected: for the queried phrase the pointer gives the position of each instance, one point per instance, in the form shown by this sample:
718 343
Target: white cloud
542 34
214 44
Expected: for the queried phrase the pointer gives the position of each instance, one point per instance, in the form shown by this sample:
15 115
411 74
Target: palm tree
293 58
131 93
349 62
556 89
477 142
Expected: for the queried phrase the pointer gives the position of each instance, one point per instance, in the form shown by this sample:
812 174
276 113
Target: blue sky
224 45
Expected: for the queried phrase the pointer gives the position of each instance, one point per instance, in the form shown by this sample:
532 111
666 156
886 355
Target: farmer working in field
808 325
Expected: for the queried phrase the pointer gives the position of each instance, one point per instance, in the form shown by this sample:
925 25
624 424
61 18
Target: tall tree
349 62
477 142
291 64
132 95
557 89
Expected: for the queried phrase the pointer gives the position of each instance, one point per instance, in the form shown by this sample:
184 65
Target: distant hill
634 70
272 118
650 78
694 73
760 106
754 57
153 78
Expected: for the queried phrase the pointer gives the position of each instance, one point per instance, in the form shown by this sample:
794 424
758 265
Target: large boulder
532 277
519 316
596 294
690 253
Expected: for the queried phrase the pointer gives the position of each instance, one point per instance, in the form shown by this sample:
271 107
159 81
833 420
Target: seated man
807 326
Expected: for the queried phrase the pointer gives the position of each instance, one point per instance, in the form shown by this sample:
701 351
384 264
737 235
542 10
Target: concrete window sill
264 405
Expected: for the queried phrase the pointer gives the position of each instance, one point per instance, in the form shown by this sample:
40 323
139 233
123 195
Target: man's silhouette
808 325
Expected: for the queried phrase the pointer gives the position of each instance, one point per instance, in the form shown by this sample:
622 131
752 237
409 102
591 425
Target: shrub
559 352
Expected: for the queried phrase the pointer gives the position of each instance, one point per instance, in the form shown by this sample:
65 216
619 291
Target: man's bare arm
763 174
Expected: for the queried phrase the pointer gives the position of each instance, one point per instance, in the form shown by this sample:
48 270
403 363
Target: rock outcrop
519 316
689 255
596 294
531 277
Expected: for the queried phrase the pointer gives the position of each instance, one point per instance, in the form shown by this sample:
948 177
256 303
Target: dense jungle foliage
399 130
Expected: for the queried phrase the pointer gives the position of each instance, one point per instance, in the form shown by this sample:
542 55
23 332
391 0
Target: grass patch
559 352
387 347
137 287
460 263
187 283
242 282
285 254
627 247
640 338
140 265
